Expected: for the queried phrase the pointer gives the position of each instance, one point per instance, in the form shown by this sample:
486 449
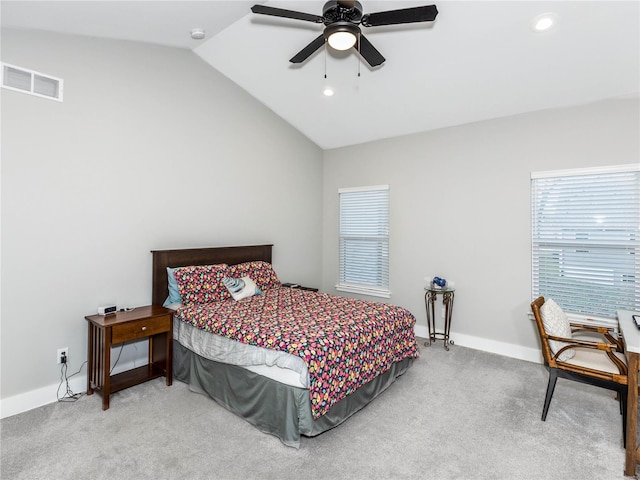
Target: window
586 239
364 240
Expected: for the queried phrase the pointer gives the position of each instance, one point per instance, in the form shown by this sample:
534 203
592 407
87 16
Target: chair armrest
574 342
606 332
608 348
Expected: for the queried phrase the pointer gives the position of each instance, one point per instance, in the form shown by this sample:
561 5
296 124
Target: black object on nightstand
299 287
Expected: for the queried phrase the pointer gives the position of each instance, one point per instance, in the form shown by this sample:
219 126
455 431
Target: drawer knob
144 329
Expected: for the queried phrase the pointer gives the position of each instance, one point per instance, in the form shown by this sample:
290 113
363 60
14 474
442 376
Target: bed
291 362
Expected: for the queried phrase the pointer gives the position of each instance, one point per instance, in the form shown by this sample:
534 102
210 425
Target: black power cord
69 395
117 359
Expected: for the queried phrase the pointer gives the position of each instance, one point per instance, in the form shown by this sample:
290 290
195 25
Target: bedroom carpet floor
462 414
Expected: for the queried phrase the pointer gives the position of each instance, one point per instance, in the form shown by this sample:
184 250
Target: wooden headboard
199 256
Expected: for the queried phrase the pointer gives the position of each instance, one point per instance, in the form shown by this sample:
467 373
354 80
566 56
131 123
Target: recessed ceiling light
197 33
328 91
544 22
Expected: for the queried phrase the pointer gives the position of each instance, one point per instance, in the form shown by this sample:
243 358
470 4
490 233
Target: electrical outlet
63 352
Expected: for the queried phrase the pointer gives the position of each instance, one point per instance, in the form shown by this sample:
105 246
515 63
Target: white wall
460 209
151 149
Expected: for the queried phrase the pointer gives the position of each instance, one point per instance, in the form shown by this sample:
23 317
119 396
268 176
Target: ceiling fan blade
369 52
281 12
426 13
306 52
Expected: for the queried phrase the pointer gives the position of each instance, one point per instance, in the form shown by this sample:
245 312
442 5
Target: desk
631 336
447 300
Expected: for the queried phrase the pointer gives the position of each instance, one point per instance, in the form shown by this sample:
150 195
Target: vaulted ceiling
478 60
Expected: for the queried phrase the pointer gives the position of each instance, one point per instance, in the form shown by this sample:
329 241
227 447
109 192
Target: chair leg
623 405
553 376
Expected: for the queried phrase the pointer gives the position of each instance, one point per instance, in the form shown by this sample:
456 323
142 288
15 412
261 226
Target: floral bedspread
345 342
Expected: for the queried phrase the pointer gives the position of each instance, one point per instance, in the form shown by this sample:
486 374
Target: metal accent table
430 297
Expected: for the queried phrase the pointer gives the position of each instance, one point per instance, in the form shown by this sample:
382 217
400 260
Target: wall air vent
35 83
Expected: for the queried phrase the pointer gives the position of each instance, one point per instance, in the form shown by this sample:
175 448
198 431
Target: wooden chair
601 362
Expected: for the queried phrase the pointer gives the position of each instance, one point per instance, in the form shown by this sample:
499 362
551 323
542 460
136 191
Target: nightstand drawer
140 329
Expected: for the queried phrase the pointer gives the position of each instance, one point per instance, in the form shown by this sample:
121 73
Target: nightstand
152 322
299 287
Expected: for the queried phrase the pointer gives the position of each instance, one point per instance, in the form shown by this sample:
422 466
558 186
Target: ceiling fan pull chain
325 60
358 54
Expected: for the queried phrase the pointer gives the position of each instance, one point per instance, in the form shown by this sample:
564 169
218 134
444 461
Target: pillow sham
556 323
261 273
174 295
240 288
202 283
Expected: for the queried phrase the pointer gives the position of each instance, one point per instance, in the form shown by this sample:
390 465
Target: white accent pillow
240 288
556 323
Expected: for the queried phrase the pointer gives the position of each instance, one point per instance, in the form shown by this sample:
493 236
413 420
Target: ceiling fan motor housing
341 11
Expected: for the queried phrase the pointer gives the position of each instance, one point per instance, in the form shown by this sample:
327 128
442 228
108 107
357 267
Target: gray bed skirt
271 406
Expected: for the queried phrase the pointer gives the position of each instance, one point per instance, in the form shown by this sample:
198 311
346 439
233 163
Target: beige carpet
462 414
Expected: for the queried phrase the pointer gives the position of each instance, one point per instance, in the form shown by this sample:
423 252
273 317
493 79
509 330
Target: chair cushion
595 359
556 323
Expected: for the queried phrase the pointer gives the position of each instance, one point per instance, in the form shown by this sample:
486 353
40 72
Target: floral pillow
202 283
261 273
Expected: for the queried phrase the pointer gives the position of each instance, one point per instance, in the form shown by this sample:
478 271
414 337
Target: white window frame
615 244
376 282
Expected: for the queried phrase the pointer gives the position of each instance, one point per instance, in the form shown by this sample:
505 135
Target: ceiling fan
341 19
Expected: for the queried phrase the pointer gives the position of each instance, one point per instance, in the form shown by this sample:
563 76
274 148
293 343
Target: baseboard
36 398
43 396
487 345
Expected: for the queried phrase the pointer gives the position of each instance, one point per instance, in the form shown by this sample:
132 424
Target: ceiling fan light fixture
341 35
342 40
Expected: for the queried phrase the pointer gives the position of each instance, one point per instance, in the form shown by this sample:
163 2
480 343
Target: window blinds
586 239
364 238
